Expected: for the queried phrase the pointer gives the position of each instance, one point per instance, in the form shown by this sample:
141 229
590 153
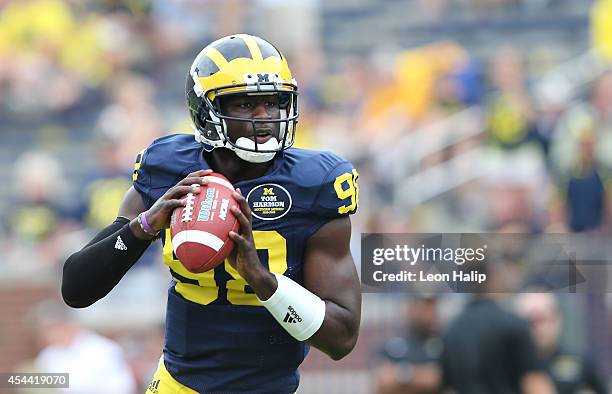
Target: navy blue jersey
219 338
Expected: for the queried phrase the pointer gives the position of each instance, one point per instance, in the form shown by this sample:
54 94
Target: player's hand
158 216
244 258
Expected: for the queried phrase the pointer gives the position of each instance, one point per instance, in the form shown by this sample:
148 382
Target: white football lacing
188 210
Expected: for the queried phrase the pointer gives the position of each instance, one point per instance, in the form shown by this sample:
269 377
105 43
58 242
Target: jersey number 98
346 187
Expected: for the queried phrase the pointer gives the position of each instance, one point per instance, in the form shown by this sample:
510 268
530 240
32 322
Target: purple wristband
145 226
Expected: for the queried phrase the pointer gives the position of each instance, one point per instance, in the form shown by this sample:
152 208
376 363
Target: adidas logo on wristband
292 316
299 312
289 319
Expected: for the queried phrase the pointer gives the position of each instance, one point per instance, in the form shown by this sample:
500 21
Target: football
200 229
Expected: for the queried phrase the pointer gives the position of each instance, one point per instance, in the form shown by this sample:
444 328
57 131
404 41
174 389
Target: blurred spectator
40 213
40 188
95 364
24 75
510 114
410 363
518 177
489 350
104 189
45 43
580 155
571 373
434 81
131 120
594 117
586 192
35 25
601 28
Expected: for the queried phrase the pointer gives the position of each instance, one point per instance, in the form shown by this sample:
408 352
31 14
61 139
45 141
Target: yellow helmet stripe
216 57
253 47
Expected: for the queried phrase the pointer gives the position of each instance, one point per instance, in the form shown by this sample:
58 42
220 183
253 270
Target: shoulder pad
331 180
339 193
166 161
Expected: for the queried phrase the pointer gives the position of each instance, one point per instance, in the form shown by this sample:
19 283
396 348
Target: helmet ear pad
201 115
211 125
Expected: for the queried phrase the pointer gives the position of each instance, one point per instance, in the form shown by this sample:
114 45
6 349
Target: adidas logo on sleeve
119 245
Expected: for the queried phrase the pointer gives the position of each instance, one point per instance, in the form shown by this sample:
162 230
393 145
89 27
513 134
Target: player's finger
238 195
175 203
244 205
178 191
245 225
199 173
238 239
193 180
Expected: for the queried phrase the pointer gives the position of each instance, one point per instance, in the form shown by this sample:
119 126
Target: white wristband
296 309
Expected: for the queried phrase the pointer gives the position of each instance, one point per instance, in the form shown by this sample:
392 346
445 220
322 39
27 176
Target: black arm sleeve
91 273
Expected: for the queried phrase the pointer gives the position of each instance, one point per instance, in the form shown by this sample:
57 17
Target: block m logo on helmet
263 81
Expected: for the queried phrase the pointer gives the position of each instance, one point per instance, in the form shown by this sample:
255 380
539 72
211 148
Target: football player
291 283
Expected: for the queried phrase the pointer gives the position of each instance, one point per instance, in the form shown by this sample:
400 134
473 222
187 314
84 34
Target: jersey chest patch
269 201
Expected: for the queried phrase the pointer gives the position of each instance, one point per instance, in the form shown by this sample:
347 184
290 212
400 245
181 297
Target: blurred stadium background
460 115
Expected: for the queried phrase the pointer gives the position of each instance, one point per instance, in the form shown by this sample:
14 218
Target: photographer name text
454 276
